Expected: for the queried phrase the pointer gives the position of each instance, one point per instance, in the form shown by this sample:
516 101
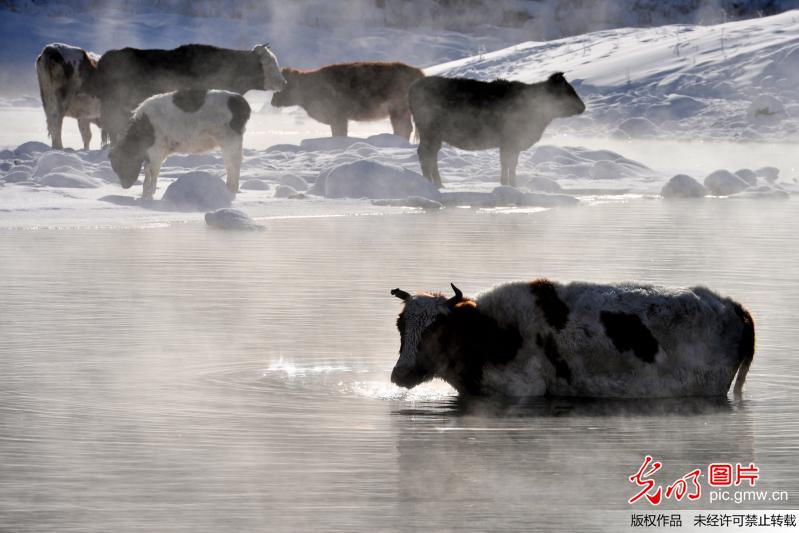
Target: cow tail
746 348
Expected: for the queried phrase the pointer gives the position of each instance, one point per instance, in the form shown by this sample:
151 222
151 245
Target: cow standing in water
62 70
477 115
124 78
540 338
352 91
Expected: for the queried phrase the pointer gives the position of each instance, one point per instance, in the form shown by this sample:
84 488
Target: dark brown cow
352 91
124 78
477 115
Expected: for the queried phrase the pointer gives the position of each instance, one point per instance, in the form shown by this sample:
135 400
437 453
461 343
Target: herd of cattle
150 103
520 339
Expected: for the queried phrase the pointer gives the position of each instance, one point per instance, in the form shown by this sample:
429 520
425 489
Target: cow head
130 153
290 94
273 79
563 100
418 360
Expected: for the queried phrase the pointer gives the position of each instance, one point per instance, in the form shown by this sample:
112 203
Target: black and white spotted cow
62 70
186 121
545 338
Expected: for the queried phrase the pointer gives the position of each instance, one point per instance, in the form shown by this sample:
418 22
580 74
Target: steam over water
184 379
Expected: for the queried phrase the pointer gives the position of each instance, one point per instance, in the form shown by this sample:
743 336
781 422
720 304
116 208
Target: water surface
181 378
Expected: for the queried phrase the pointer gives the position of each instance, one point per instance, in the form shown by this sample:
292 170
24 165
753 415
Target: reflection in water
177 378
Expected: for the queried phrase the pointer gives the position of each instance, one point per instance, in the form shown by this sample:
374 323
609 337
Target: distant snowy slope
733 80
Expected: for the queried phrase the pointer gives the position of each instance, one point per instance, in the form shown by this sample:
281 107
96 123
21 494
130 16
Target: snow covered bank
323 176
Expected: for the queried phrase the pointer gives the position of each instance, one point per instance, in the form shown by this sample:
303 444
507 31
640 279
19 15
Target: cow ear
557 77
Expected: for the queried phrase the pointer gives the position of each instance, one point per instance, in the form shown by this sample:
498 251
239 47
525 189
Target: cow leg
55 126
401 122
151 169
338 127
232 154
428 158
85 127
512 164
508 159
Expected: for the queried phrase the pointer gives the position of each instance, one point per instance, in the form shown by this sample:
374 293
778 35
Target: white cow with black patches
544 338
185 121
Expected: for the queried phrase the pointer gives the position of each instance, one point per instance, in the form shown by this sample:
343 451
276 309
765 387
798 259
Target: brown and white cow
358 91
62 70
477 115
541 338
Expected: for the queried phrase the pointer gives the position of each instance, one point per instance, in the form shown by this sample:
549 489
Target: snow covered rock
370 179
287 148
284 191
198 190
30 148
255 185
293 181
769 173
676 107
682 186
57 160
16 176
67 180
231 219
639 127
766 109
607 170
543 184
724 183
747 175
763 192
329 143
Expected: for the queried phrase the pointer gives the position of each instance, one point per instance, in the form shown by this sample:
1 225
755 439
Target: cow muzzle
406 376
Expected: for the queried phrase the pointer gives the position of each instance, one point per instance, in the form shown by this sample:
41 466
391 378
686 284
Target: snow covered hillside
730 81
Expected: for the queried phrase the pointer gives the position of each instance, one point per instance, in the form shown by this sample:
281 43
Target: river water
180 378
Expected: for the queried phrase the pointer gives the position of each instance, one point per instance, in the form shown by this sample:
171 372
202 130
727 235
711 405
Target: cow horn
458 295
399 293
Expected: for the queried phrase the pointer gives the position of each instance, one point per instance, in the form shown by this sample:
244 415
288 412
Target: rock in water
232 219
682 186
